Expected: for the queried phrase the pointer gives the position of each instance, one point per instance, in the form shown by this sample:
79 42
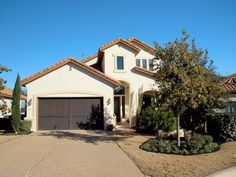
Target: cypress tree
15 120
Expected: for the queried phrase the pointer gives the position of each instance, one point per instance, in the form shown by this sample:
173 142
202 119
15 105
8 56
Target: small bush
222 126
25 127
197 145
152 119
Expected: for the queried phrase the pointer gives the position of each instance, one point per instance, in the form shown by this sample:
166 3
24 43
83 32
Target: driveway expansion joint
41 159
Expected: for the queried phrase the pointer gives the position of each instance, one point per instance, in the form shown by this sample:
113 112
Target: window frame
145 63
138 60
123 63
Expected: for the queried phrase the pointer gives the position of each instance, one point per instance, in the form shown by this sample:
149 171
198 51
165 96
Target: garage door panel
53 114
57 107
54 123
69 113
82 112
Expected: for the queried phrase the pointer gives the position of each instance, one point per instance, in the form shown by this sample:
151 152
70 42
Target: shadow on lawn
87 136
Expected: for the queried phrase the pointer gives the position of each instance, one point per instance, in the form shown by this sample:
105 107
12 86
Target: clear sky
35 34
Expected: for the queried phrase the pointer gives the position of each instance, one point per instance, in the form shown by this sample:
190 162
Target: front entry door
117 108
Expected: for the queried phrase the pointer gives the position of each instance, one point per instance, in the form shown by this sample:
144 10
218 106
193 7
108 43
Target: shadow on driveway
87 136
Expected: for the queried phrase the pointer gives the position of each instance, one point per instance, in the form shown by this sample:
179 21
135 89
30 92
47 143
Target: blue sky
36 34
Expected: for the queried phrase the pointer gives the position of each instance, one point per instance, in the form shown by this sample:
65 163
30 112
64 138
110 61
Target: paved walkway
62 154
229 172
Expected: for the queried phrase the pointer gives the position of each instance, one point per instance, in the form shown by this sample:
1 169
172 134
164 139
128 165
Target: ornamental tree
185 77
3 106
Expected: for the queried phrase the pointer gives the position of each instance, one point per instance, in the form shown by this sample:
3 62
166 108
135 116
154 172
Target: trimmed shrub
197 145
152 119
25 127
222 126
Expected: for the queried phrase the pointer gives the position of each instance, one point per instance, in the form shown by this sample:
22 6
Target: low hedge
197 145
25 127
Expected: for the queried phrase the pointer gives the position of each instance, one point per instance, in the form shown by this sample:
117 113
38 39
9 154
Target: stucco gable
119 41
64 62
141 45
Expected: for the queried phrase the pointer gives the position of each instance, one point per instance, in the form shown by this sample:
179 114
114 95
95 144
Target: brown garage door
70 113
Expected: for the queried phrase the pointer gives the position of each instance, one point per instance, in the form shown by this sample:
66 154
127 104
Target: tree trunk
178 127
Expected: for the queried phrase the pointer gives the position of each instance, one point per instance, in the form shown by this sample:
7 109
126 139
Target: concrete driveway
74 153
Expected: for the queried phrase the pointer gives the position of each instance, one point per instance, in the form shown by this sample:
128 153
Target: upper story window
150 63
144 62
138 62
120 63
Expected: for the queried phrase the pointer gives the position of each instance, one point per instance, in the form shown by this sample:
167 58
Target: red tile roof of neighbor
64 62
229 83
6 92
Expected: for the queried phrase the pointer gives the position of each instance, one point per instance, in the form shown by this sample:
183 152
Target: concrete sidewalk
229 172
61 154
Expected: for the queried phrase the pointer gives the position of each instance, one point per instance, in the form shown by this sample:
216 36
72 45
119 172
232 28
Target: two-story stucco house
104 88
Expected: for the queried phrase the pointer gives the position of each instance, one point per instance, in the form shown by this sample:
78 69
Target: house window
230 107
150 63
138 62
119 90
120 63
144 62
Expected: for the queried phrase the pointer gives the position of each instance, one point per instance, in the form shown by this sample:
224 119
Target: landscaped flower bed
197 145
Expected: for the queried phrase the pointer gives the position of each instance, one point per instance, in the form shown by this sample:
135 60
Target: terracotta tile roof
109 44
229 83
64 62
148 47
119 40
89 58
144 71
6 92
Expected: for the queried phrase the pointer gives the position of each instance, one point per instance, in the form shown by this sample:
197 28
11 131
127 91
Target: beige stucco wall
69 81
138 82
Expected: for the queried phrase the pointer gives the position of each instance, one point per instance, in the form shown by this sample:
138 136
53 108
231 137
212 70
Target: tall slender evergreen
15 120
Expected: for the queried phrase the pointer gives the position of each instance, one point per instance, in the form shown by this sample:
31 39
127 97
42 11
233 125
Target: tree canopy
185 77
3 106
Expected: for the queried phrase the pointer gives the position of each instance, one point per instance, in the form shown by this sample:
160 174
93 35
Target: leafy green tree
15 121
185 77
3 105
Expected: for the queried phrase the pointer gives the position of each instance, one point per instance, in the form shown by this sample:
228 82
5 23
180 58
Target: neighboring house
6 94
105 88
229 85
